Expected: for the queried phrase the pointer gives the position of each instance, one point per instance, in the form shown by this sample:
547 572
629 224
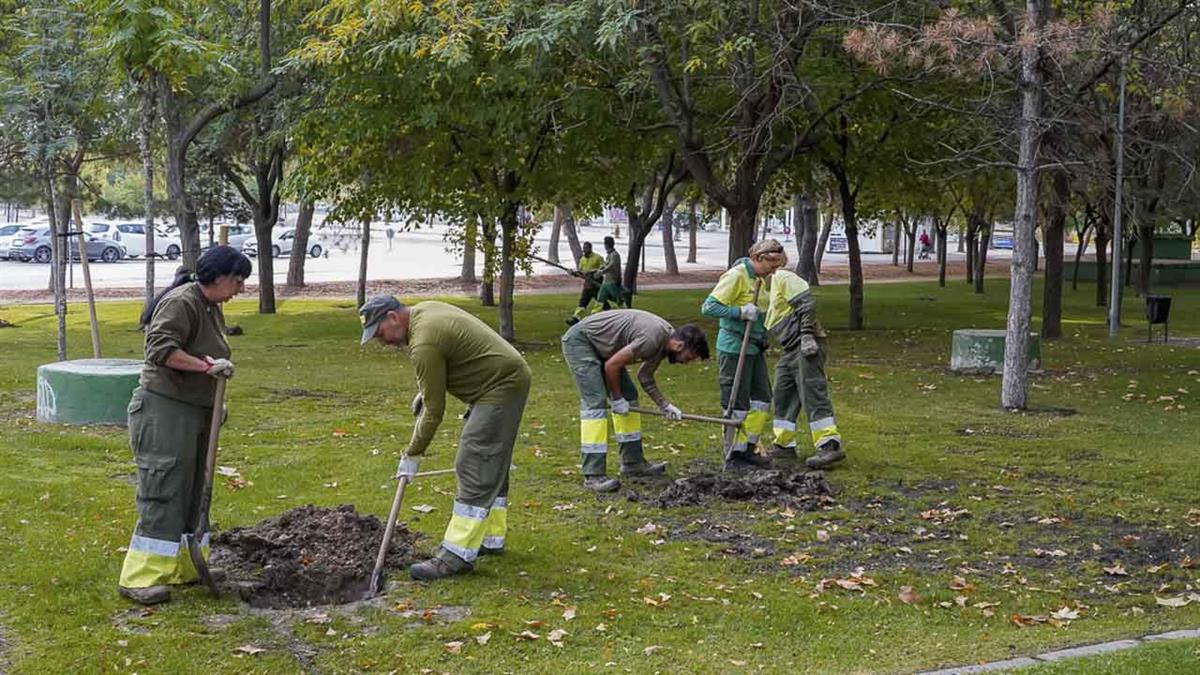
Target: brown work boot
437 568
742 462
151 595
827 455
644 469
601 483
781 453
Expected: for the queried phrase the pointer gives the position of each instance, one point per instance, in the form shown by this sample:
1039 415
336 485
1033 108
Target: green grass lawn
985 514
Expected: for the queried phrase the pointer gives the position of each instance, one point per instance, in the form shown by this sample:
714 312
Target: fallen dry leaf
569 613
648 528
536 623
1022 620
1065 614
1117 570
961 584
424 508
600 628
249 649
1179 600
453 647
795 559
651 649
961 601
484 639
822 535
526 635
1158 568
908 595
556 637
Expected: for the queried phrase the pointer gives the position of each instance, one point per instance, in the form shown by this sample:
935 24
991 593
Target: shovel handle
738 372
688 416
381 557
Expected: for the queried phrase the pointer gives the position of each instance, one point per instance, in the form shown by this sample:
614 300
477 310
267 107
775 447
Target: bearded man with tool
453 352
597 350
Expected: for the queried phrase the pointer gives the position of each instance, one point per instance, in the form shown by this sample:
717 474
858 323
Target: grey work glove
219 367
748 312
808 345
620 406
408 467
418 404
671 412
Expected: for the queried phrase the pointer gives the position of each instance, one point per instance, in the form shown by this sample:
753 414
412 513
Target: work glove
408 467
620 406
809 346
418 404
219 367
748 312
672 413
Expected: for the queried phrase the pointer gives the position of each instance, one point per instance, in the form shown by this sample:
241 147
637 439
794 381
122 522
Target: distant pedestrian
391 233
926 246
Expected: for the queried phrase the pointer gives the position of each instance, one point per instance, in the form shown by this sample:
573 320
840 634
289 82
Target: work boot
151 595
759 461
739 462
484 550
827 455
644 469
780 453
436 568
601 483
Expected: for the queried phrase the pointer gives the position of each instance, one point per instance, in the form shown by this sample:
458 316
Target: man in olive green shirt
610 290
597 350
589 270
453 352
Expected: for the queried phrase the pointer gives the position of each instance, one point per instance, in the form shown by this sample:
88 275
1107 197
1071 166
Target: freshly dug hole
308 556
804 490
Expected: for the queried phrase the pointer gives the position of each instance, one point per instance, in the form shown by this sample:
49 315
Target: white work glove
418 404
620 406
808 345
672 413
749 312
219 367
408 467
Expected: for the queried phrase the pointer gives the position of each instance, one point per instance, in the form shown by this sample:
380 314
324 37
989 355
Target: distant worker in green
590 264
800 382
610 290
453 352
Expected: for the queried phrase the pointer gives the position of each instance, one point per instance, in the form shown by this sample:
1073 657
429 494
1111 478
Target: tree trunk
804 224
941 254
487 289
181 203
295 275
668 235
743 220
1014 388
693 225
572 231
361 295
850 222
555 229
145 129
1080 249
910 234
633 252
508 237
1053 230
985 242
56 280
972 236
896 245
266 263
822 243
1101 267
470 241
1145 259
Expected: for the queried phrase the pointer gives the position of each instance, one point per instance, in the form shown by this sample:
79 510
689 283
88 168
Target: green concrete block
86 391
982 351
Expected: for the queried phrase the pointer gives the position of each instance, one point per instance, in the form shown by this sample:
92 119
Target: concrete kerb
1066 654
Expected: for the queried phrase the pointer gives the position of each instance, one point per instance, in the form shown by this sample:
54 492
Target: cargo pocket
154 478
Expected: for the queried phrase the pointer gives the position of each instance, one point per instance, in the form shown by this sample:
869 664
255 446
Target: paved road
421 254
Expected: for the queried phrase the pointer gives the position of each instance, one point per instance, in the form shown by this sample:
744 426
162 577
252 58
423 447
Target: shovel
190 540
376 584
731 432
688 416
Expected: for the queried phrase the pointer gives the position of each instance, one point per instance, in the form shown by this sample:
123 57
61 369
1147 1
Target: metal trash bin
1158 310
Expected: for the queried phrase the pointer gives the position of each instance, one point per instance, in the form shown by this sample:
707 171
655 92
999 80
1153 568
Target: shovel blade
201 565
375 586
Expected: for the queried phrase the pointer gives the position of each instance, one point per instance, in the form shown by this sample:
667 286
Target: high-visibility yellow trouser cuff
758 421
495 526
824 431
593 431
739 438
464 535
628 427
785 433
154 562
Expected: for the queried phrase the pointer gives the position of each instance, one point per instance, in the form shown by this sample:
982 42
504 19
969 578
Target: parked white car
133 237
281 244
239 234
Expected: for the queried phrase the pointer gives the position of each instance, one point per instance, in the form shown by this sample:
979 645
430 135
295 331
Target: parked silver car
33 243
7 232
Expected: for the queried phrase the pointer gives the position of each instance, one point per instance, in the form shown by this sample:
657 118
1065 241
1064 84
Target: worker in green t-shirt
610 290
589 270
453 352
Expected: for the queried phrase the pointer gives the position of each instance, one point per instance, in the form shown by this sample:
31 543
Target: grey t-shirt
611 331
612 268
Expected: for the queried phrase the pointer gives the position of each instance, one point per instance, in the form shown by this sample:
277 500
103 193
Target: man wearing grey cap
454 352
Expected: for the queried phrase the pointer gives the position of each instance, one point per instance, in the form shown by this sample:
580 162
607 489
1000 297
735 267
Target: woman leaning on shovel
169 419
733 301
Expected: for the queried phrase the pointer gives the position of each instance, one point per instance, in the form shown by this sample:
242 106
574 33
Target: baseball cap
373 312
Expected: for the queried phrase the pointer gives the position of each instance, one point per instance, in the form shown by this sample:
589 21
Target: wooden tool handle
688 416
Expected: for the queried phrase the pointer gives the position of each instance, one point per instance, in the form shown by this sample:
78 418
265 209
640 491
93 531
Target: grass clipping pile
308 556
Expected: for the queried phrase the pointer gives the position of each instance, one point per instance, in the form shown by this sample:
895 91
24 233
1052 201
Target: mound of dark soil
805 490
308 556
